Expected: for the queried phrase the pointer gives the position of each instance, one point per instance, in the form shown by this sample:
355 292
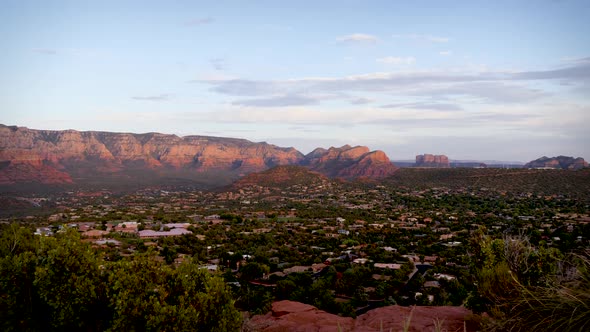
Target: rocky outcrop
350 162
560 162
70 156
430 160
55 155
295 316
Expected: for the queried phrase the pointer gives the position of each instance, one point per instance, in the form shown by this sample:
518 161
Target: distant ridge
559 162
52 157
458 163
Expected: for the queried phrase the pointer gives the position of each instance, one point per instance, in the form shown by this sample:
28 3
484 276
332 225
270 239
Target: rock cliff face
560 162
62 155
429 160
70 156
295 316
350 162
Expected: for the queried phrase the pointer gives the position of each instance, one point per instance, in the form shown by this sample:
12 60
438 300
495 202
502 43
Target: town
342 247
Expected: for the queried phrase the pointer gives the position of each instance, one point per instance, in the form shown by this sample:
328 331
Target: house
96 233
318 267
149 234
184 225
431 284
391 266
297 269
108 241
360 261
209 267
444 276
45 231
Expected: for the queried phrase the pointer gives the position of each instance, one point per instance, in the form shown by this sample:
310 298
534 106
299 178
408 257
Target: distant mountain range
69 157
93 157
430 161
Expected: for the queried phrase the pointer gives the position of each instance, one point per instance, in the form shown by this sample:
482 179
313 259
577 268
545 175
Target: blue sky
504 80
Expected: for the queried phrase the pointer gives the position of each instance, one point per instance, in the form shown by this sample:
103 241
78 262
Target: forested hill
575 184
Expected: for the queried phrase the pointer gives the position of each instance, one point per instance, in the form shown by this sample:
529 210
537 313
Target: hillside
282 176
541 182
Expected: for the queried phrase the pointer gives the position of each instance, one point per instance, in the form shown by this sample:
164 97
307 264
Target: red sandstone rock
422 318
111 152
429 160
560 162
70 156
350 162
299 317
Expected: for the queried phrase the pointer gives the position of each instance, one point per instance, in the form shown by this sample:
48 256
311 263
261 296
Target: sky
475 80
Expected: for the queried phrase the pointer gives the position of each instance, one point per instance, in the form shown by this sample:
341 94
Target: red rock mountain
429 160
48 156
350 162
70 156
560 162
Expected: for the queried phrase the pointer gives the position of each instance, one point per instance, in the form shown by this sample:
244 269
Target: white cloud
392 60
358 38
445 53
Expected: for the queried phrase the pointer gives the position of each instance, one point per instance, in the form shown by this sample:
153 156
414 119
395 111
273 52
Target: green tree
253 270
156 297
69 280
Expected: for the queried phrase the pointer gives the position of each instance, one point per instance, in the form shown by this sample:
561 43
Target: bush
525 288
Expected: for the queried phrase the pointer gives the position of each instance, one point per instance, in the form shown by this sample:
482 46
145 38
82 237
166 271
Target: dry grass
563 304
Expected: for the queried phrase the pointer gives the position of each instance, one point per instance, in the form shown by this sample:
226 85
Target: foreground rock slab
299 317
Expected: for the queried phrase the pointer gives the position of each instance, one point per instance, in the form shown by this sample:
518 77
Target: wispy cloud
580 70
48 51
358 38
199 21
361 101
277 101
490 92
418 118
487 86
393 60
428 38
425 106
160 97
445 53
